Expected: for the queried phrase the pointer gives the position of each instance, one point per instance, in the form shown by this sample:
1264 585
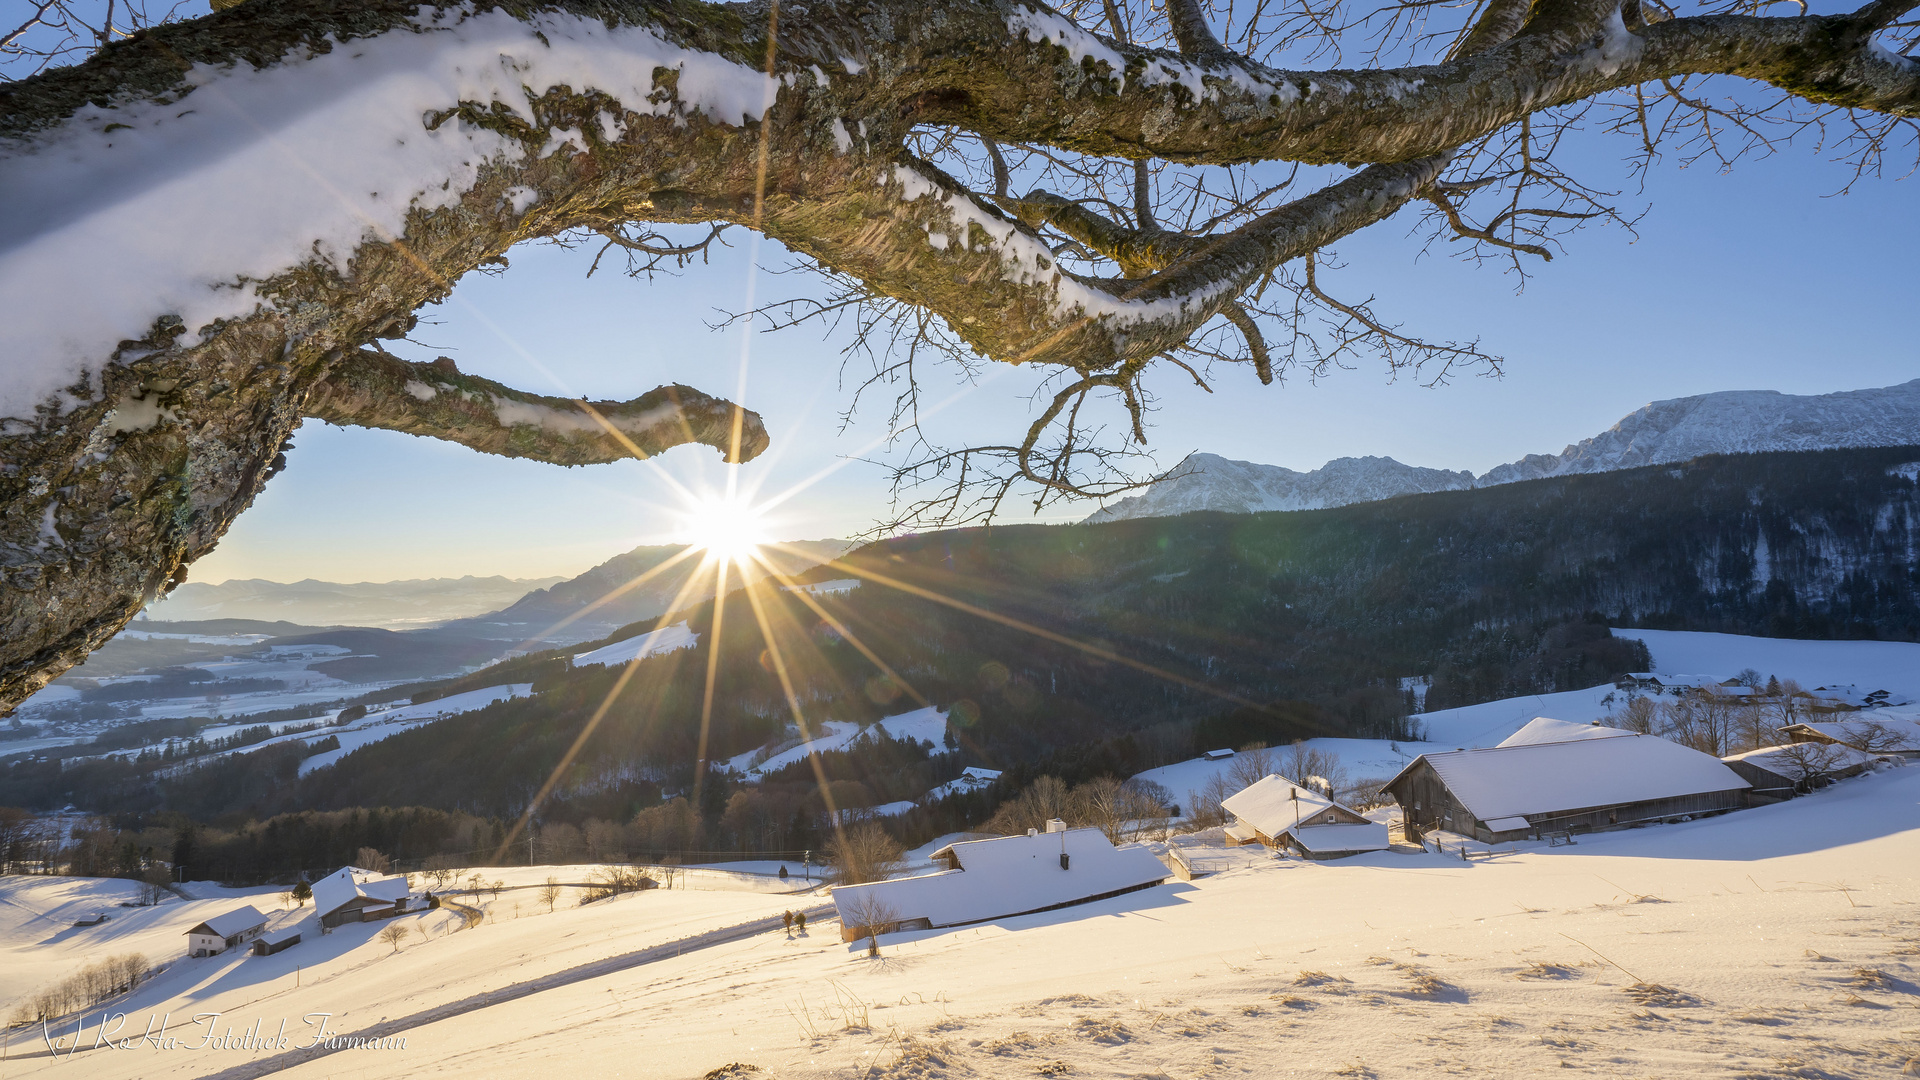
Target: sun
726 528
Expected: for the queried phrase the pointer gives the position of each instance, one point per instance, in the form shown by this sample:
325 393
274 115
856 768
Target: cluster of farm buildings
1549 780
349 894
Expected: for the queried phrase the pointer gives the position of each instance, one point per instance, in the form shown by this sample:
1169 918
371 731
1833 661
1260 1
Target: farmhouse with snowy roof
351 894
1281 814
999 878
225 931
1509 792
1883 733
1781 772
1544 729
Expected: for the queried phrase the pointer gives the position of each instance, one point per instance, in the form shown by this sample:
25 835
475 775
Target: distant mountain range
390 605
1729 422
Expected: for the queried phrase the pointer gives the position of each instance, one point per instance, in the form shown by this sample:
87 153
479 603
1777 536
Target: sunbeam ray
593 723
799 717
721 564
840 628
1040 632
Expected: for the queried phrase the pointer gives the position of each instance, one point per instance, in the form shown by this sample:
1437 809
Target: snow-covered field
926 725
376 726
1782 941
664 640
1887 665
40 945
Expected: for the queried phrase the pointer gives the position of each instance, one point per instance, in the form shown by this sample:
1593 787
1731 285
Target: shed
999 878
1885 733
1218 755
1281 814
276 942
1509 792
225 931
1781 772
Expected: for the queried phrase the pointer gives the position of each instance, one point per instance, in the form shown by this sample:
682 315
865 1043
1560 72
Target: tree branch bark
375 390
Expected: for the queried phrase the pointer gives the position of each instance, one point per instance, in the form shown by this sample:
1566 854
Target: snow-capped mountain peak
1211 482
1680 429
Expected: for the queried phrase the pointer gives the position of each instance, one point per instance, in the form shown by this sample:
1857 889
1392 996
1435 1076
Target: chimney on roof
1056 825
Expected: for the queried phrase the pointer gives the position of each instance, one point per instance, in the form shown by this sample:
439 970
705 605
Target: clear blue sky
1754 280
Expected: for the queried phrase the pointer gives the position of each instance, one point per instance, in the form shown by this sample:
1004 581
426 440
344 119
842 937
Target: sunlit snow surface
925 725
664 640
1721 947
126 213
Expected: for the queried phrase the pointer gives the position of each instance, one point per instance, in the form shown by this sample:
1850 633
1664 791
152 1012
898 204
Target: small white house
999 878
226 931
1281 814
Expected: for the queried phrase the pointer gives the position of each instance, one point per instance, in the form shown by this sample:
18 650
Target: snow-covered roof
1347 836
233 922
972 772
1509 824
1777 759
350 883
389 888
1542 729
1005 876
1216 755
281 935
1906 733
1543 778
1276 804
337 888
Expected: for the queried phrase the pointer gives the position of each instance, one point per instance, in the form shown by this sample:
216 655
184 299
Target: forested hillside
1268 626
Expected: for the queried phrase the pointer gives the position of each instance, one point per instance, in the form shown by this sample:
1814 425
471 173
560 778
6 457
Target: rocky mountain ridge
1663 432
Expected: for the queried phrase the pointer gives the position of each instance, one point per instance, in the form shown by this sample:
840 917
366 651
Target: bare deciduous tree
1810 762
863 851
393 934
868 916
549 893
1113 194
1250 765
1317 769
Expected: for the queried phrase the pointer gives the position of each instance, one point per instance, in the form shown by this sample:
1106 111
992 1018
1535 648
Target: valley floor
1782 941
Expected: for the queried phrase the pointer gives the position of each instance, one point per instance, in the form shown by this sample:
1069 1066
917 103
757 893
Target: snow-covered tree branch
202 225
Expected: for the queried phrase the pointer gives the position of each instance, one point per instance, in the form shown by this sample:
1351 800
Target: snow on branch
376 390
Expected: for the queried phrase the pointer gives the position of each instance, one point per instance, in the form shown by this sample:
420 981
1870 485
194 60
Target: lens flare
730 529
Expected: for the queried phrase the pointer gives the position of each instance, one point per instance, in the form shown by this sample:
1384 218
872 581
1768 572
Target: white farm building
1281 814
999 878
225 931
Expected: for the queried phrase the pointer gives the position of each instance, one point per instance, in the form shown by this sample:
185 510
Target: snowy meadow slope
1782 941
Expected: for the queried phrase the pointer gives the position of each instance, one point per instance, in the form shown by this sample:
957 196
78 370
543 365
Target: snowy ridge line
120 215
1661 433
554 981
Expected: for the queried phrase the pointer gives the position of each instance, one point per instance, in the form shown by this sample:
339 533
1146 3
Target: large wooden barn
1512 792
